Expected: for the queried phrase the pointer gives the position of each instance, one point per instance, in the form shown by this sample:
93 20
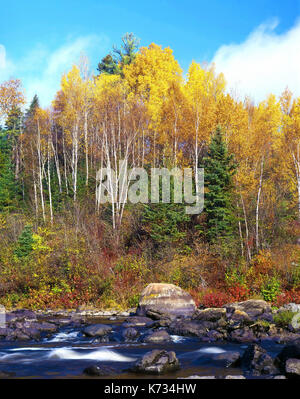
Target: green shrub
271 289
295 277
283 319
133 301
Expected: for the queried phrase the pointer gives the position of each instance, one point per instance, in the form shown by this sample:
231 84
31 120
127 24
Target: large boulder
291 351
97 330
20 315
238 319
256 361
191 328
242 335
292 368
130 334
254 308
157 337
210 314
158 300
157 362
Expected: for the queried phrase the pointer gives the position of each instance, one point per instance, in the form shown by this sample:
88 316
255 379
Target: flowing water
67 353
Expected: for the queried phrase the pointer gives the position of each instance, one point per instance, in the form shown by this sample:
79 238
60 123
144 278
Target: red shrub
238 292
215 299
288 297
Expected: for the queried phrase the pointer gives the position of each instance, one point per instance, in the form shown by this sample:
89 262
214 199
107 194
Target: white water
177 338
64 336
99 354
9 356
212 349
28 349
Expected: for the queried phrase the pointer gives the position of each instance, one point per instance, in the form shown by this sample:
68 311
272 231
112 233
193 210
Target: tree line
140 107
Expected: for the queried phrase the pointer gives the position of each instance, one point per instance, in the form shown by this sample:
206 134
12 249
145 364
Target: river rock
97 330
64 321
291 351
292 307
235 377
254 308
157 362
210 314
45 327
158 300
214 335
239 318
286 337
21 336
242 335
191 328
4 331
32 332
6 374
138 321
159 336
20 314
230 359
292 368
98 371
130 334
255 360
162 323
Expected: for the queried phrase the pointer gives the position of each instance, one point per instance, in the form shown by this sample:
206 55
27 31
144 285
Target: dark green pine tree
13 123
165 222
113 63
10 190
33 106
108 65
219 168
8 187
25 243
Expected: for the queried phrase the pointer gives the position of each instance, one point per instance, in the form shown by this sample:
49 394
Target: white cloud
266 62
6 66
41 69
46 84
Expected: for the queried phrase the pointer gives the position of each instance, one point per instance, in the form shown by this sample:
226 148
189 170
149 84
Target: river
67 353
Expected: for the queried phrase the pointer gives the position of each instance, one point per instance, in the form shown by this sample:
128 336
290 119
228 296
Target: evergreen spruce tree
13 123
8 188
219 167
165 222
32 108
25 243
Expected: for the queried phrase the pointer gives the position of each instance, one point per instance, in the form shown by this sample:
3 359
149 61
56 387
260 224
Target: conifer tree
25 242
165 222
8 187
219 167
113 63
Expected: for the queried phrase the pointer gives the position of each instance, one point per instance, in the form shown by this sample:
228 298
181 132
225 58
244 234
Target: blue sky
255 43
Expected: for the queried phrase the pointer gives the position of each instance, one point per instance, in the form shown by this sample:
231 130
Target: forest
61 247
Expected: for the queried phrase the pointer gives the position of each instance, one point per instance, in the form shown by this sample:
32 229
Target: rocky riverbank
165 312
